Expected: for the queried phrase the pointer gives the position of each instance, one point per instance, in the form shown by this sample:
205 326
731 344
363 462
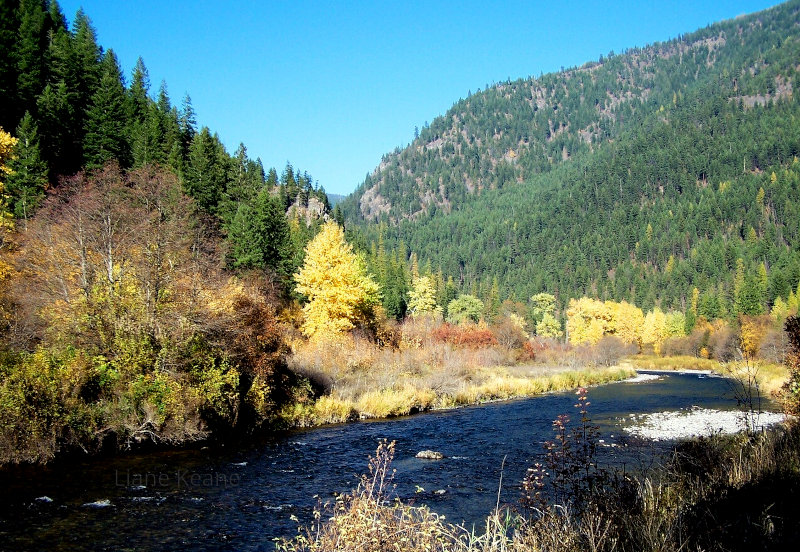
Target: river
241 498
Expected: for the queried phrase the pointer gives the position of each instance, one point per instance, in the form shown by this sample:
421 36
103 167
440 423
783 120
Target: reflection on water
240 499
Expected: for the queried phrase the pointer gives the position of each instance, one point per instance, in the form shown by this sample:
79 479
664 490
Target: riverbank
769 376
385 384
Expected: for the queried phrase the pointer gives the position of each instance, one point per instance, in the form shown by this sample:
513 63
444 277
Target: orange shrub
468 336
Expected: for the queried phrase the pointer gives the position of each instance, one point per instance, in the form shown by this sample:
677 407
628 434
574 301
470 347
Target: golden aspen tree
654 329
548 326
587 320
335 281
422 297
675 324
7 144
625 321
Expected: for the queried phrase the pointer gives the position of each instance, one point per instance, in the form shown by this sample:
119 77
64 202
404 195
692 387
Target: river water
242 498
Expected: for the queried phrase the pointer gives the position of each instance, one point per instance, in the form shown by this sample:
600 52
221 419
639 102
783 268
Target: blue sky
332 86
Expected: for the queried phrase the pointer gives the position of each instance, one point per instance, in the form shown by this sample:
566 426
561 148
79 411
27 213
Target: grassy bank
724 493
769 375
362 381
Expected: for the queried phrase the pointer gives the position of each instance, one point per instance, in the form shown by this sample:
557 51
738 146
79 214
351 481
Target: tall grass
769 375
357 379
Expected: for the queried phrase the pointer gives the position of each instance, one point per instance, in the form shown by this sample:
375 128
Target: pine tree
86 55
9 29
56 114
259 236
27 183
138 94
205 171
106 119
30 52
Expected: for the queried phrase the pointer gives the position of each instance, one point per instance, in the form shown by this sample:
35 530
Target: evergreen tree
30 52
26 184
56 114
259 236
138 94
206 172
106 118
9 28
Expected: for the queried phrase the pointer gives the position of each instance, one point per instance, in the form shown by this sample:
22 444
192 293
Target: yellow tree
7 143
625 322
587 320
335 281
654 329
422 298
548 326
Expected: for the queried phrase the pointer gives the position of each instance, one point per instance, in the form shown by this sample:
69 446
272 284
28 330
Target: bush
370 520
468 336
510 332
610 349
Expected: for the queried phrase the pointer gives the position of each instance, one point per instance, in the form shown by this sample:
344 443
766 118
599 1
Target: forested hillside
66 101
640 176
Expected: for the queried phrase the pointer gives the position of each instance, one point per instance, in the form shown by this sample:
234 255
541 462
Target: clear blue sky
332 86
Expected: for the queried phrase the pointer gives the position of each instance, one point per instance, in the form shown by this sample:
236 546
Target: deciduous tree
334 280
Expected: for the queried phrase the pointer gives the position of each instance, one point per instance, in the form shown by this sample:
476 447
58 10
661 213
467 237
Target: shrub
509 332
468 336
370 520
610 349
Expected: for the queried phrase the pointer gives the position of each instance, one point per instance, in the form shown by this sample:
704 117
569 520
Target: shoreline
498 387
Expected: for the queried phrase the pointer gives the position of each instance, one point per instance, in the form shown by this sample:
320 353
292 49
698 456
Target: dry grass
676 363
357 379
371 520
770 376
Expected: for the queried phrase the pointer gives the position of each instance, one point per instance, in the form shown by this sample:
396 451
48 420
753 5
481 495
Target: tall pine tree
106 119
259 236
27 183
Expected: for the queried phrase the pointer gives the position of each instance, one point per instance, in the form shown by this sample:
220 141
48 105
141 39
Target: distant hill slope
639 176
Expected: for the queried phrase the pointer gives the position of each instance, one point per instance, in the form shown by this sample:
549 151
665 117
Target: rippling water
241 499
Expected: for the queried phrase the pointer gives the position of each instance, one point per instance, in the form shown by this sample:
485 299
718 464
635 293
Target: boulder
430 455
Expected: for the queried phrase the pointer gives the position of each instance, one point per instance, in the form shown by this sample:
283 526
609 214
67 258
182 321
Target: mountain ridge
672 175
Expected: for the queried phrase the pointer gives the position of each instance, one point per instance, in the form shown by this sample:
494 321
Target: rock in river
430 455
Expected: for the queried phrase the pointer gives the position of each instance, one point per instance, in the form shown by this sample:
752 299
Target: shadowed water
240 499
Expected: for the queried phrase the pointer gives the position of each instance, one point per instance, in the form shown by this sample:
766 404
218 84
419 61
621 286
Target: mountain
639 176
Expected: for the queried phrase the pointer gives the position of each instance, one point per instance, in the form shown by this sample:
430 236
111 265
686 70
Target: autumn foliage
129 328
467 335
341 294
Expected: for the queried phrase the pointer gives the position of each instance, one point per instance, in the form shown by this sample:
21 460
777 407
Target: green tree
205 177
259 236
30 52
106 119
26 184
464 308
548 326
